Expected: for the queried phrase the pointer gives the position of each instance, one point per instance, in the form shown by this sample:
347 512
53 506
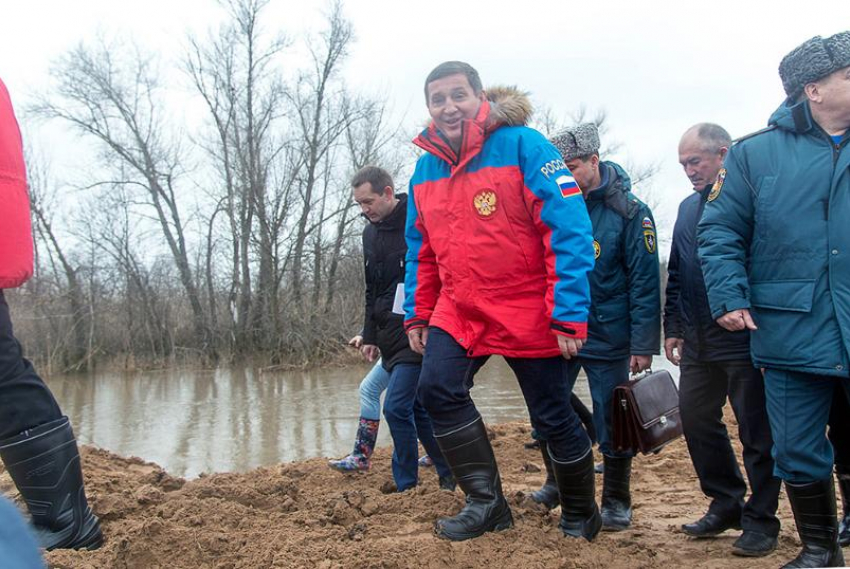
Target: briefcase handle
645 373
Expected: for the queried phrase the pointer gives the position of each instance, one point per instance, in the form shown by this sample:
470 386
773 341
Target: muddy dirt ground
303 514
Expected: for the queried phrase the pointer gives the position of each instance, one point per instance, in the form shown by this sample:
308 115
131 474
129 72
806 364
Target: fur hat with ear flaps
812 60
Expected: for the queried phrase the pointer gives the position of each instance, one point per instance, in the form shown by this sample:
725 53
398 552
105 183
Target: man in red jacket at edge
37 445
499 248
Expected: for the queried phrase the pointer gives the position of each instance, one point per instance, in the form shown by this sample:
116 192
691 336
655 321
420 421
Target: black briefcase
646 413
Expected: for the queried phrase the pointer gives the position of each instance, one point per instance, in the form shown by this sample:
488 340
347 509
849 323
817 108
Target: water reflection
237 419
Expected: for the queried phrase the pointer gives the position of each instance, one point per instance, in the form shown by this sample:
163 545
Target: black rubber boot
470 457
44 463
814 513
548 493
843 474
616 497
576 487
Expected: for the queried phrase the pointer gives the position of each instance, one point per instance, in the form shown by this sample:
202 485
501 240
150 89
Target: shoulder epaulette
752 134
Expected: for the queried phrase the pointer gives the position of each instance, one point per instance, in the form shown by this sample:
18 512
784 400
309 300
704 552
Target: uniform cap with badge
577 141
812 60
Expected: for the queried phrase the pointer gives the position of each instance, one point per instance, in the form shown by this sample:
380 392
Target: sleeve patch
649 240
568 186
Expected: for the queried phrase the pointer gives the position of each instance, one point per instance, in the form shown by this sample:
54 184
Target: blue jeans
798 406
371 387
447 376
602 377
18 548
408 421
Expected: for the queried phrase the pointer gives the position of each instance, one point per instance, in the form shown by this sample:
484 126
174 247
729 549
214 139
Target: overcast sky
656 68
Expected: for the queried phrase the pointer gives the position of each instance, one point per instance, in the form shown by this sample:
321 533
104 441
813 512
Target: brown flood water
233 420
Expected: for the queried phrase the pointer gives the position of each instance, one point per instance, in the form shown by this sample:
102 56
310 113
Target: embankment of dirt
305 515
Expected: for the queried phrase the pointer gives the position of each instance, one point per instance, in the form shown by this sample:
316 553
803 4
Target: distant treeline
209 229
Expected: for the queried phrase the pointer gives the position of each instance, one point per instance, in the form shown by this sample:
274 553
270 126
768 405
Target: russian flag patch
568 186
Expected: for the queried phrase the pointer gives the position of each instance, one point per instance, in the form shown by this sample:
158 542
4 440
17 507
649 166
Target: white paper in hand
398 301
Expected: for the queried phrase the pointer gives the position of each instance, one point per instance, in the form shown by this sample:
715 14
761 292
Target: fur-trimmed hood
508 106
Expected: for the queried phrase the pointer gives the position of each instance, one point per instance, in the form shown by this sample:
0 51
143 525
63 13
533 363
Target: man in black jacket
384 249
715 363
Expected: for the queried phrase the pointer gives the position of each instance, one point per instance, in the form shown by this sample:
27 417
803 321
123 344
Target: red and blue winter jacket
16 249
499 240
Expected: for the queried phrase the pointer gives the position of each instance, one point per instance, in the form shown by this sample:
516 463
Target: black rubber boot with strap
616 494
814 512
470 456
577 488
44 463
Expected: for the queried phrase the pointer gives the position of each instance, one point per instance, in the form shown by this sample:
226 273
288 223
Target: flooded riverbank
233 420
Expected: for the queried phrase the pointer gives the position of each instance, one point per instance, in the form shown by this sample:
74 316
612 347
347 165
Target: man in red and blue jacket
499 248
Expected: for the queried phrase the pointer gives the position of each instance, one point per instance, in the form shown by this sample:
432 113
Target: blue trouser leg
798 406
547 388
444 384
447 376
602 377
398 410
371 387
425 432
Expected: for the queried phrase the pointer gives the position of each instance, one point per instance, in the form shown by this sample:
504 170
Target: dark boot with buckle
548 493
843 475
616 496
814 513
576 487
468 452
44 463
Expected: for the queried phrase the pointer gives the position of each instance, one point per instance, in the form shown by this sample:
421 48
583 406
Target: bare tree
111 93
43 205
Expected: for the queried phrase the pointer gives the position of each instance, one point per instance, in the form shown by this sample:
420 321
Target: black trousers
703 389
25 401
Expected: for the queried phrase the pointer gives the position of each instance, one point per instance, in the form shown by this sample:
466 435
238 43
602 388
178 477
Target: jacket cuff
645 352
569 329
674 331
414 324
732 305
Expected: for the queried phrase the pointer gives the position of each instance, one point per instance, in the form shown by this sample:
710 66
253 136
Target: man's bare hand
737 320
370 352
418 337
639 363
673 350
569 346
356 342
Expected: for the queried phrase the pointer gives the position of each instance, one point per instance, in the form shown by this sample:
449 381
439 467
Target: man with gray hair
715 365
775 248
624 324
